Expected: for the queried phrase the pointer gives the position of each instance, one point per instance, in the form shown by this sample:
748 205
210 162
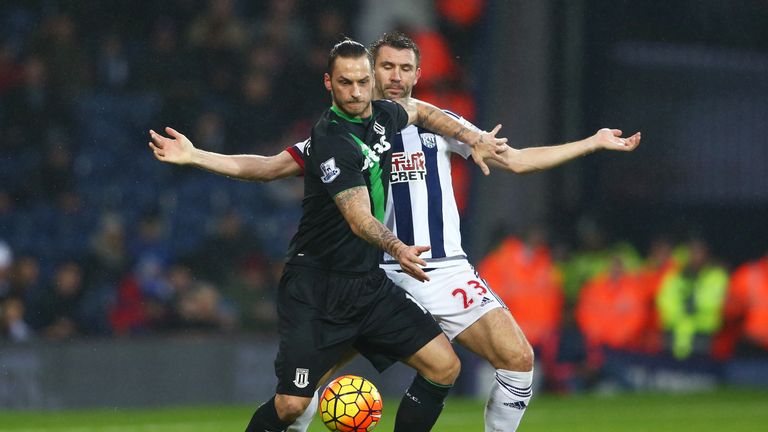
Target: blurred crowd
580 304
97 238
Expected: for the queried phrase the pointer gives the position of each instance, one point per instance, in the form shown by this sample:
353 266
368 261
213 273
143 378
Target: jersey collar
346 117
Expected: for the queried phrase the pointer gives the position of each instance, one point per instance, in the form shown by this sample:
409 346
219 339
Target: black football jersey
344 152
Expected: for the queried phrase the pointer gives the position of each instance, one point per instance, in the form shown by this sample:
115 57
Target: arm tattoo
376 233
458 135
355 206
428 116
346 198
441 123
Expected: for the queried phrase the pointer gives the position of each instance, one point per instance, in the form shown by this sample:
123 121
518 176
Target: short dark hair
346 48
396 40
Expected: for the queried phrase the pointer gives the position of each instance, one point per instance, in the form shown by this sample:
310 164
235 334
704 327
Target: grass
729 410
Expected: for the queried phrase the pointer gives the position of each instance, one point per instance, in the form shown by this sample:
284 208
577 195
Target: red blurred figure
747 304
614 309
523 274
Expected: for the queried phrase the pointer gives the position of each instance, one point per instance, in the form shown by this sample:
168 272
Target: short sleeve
396 111
297 152
338 161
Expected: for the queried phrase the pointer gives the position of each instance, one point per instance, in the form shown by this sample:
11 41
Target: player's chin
355 108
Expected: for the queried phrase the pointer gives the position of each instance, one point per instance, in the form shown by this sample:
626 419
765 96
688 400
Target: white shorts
456 296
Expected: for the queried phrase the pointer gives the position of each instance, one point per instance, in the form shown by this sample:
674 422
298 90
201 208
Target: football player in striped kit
421 209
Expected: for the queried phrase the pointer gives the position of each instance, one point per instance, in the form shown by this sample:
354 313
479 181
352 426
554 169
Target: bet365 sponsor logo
373 154
407 167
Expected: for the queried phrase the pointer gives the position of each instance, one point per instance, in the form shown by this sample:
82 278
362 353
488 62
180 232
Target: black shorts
322 316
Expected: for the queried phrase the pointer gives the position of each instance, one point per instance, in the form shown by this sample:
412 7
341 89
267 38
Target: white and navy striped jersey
421 208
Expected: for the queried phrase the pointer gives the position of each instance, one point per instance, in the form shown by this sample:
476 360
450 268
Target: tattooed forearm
434 119
460 134
376 233
355 206
426 114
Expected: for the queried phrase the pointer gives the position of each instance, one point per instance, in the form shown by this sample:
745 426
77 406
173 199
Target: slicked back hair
347 48
397 40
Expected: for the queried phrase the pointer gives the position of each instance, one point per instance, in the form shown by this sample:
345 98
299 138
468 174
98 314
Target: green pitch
731 410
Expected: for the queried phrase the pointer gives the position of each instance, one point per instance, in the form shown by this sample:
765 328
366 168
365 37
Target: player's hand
610 139
177 149
412 265
489 147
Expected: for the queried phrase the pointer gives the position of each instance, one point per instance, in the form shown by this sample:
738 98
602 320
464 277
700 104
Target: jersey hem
431 262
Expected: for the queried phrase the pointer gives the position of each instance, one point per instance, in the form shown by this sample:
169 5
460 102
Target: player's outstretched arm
533 159
178 149
485 145
355 205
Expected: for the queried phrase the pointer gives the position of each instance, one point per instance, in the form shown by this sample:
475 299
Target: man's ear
418 75
327 81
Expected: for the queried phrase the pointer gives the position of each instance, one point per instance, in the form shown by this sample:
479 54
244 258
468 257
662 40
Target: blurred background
128 282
